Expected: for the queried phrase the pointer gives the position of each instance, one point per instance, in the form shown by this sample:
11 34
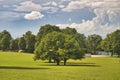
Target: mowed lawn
21 66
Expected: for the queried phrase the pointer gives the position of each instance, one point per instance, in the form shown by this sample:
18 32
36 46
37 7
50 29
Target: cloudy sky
87 16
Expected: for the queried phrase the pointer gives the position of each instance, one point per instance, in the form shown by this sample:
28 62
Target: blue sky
87 16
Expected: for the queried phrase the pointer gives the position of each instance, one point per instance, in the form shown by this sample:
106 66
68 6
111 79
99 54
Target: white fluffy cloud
79 4
107 17
101 8
34 15
54 3
28 6
50 9
73 5
61 6
51 3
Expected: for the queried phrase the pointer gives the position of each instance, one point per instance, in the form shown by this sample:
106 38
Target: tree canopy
45 30
29 41
112 43
5 39
21 43
14 44
93 43
58 46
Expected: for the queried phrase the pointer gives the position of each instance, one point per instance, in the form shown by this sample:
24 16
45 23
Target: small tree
5 38
5 42
106 44
93 43
116 42
112 43
21 43
14 44
30 41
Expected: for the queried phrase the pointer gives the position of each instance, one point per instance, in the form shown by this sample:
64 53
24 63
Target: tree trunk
54 61
50 60
112 53
58 62
118 54
65 60
94 52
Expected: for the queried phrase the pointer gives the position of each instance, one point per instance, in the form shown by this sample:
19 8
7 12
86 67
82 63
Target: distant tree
21 43
112 43
30 41
93 43
14 44
5 38
116 42
80 38
58 46
5 32
106 44
0 40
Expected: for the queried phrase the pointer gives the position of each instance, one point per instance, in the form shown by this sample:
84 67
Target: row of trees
57 44
26 42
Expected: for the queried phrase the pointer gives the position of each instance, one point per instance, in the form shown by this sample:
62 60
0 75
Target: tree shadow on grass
75 64
21 68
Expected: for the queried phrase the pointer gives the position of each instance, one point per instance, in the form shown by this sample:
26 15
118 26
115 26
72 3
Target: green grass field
20 66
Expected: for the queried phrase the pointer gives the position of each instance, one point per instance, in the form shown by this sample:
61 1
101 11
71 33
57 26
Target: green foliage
80 38
93 43
62 46
116 42
21 43
14 44
59 45
106 44
5 38
30 41
45 30
112 43
69 31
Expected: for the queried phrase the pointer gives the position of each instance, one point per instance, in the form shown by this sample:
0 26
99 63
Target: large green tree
93 43
58 46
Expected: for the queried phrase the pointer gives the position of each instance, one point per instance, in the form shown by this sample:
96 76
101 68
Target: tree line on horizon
57 44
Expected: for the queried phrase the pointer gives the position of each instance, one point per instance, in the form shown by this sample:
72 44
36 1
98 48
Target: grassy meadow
21 66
